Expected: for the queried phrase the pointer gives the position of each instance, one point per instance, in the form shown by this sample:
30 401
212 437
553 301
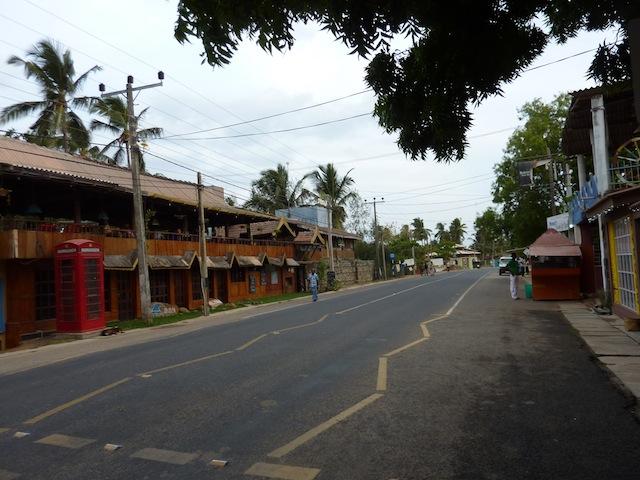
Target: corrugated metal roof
218 263
619 112
553 244
248 261
19 154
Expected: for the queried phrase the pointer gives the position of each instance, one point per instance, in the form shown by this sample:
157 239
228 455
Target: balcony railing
625 165
91 228
623 175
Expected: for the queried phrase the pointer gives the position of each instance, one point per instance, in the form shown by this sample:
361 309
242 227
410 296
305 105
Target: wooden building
48 197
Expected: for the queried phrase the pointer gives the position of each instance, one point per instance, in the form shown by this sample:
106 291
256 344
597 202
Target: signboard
559 222
525 174
156 309
252 283
392 256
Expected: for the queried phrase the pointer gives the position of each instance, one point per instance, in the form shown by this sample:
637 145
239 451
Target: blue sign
392 256
156 309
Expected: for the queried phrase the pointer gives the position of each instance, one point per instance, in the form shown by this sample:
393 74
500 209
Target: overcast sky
255 84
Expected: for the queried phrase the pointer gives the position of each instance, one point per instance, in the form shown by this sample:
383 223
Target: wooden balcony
32 239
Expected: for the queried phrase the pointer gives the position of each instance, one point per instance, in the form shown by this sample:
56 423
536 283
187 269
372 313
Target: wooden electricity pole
138 208
204 272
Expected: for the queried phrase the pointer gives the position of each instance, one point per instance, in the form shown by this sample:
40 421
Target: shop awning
275 261
553 244
218 263
290 262
171 262
248 261
121 262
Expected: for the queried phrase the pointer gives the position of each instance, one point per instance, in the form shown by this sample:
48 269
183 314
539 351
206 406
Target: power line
144 62
279 131
271 116
180 102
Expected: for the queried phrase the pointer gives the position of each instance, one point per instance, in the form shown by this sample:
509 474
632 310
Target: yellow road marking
381 385
182 364
65 441
440 317
284 472
78 400
315 431
425 330
166 456
405 347
251 342
394 294
2 430
321 319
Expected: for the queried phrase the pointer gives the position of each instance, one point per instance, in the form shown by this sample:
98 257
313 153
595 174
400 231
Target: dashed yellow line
70 404
405 347
304 325
182 364
314 432
381 384
251 342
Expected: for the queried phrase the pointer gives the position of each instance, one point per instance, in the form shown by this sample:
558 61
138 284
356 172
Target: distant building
315 215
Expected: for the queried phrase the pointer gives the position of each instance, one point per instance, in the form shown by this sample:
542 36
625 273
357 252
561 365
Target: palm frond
100 125
20 110
82 78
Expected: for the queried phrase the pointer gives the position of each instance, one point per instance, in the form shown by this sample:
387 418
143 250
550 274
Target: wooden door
181 289
220 279
126 296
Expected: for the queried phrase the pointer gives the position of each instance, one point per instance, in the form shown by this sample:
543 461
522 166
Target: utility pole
330 236
552 181
384 260
375 233
204 273
413 254
138 209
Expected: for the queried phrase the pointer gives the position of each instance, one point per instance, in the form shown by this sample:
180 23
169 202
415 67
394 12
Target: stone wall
349 272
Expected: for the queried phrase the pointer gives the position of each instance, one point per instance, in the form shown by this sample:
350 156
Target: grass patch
178 317
276 298
139 323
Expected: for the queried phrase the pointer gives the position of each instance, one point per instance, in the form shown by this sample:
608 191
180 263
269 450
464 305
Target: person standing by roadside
313 284
514 270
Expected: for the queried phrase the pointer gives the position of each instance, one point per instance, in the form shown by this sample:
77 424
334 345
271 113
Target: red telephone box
79 274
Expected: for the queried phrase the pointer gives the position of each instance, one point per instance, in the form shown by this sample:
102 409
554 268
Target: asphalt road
350 387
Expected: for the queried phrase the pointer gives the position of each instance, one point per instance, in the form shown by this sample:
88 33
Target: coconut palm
457 230
114 109
334 190
441 233
57 124
274 190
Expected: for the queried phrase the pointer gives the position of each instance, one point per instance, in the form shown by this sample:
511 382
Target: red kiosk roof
553 244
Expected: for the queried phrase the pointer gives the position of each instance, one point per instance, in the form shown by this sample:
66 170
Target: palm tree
457 229
57 124
274 190
333 189
114 109
441 233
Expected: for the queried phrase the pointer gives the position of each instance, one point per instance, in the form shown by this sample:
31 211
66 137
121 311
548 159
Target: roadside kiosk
555 267
79 273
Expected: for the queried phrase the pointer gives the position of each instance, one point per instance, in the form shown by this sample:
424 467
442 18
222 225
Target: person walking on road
514 270
313 284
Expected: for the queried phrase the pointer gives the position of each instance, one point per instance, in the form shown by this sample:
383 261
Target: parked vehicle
502 265
476 264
